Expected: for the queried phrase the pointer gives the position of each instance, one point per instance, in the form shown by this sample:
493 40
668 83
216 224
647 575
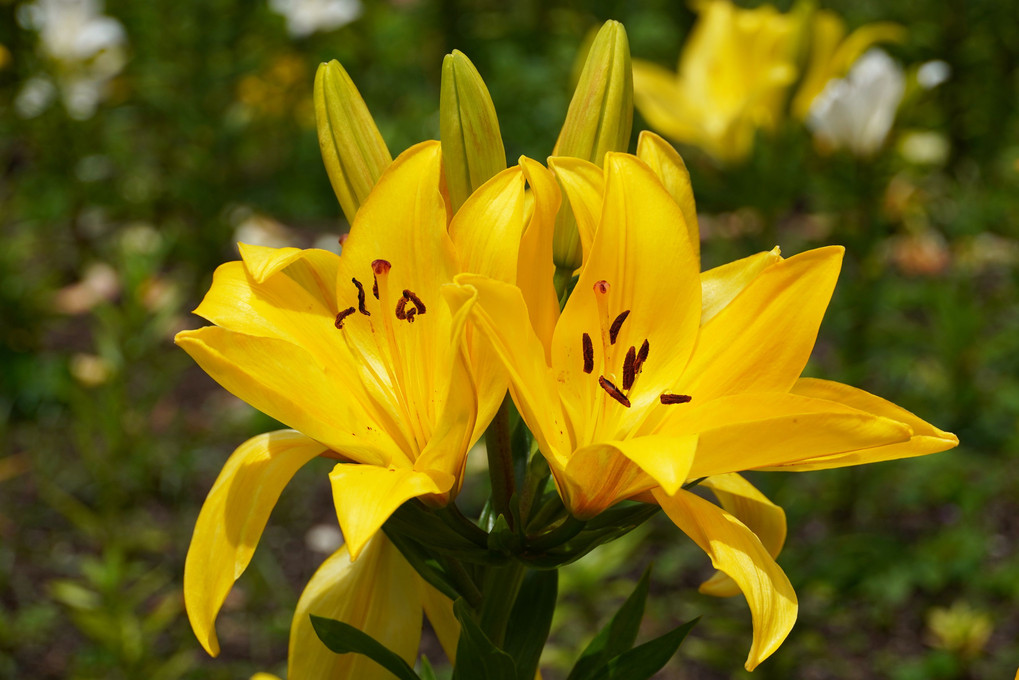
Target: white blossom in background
933 73
305 17
857 112
86 47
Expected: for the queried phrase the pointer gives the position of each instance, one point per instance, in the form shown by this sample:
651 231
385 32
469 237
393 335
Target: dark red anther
613 391
401 307
375 286
588 353
675 398
360 298
629 368
409 294
381 267
616 325
638 363
343 315
410 315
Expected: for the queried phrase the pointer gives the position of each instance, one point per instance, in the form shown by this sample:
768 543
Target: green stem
500 461
502 584
465 584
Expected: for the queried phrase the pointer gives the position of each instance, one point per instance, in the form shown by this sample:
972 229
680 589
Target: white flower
74 30
856 112
304 17
85 46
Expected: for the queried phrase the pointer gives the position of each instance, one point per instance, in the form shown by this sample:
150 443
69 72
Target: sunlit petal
642 251
721 285
291 385
736 551
748 431
366 495
669 167
926 438
744 502
232 520
761 341
535 268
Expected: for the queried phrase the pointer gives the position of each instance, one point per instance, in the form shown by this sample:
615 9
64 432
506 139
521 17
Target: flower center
633 362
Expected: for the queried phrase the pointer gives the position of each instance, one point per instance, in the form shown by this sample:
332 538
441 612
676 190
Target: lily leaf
476 655
643 661
531 620
344 638
617 636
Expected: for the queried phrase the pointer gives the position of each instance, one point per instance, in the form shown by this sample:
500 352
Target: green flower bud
353 151
472 149
599 120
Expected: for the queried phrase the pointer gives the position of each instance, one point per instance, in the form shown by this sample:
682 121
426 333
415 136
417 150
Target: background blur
140 140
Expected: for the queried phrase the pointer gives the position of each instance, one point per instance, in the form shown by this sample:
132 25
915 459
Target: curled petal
232 520
736 551
366 495
744 502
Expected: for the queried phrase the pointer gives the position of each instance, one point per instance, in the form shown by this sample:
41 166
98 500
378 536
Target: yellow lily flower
656 375
363 357
833 53
732 79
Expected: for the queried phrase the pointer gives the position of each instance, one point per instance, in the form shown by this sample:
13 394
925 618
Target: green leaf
531 620
476 656
642 662
343 638
427 672
617 636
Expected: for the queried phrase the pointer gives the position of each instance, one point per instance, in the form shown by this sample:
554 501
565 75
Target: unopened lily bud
472 149
353 151
599 120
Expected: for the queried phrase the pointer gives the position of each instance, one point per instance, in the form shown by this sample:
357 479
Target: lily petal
232 520
926 438
288 383
640 240
366 495
721 285
486 230
439 610
761 341
742 500
584 185
749 431
379 594
498 312
535 267
736 551
668 165
600 475
403 222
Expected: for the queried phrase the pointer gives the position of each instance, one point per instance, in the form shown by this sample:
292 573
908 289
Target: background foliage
113 224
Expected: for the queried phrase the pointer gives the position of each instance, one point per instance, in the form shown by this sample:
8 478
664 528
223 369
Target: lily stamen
588 348
629 368
675 398
616 326
343 315
613 391
360 297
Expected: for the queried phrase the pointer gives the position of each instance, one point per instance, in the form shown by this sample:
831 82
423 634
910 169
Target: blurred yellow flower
5 56
960 628
733 76
833 53
646 384
362 356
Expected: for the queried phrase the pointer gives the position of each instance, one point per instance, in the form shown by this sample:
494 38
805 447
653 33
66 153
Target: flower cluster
737 70
638 378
